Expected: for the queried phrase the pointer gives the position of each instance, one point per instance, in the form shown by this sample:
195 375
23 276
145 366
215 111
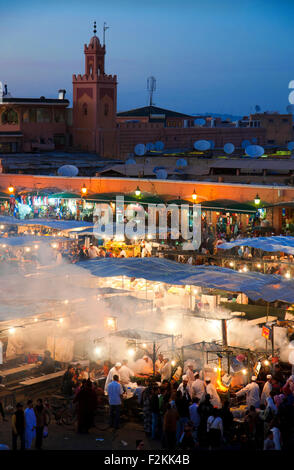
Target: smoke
47 297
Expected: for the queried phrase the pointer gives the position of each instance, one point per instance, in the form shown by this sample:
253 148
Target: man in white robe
125 373
267 388
113 371
144 366
30 429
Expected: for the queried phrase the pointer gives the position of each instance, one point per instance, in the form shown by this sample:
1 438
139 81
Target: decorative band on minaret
94 30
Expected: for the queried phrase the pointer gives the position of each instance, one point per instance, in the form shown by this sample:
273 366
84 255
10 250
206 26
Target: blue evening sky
221 56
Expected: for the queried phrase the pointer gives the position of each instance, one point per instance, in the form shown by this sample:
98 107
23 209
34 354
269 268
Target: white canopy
255 285
278 243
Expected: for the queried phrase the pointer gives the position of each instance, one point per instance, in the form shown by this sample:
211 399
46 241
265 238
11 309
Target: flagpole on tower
105 28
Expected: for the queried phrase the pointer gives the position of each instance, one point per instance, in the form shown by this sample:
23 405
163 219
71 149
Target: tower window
106 109
85 109
9 117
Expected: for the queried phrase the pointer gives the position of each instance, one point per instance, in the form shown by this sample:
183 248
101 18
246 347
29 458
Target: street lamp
138 191
257 200
10 189
194 196
84 190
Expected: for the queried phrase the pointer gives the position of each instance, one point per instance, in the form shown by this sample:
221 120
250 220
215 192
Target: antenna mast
151 87
105 28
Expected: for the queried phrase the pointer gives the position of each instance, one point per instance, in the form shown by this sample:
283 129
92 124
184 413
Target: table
43 378
16 370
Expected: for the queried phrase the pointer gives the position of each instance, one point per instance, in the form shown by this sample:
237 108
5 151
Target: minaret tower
94 103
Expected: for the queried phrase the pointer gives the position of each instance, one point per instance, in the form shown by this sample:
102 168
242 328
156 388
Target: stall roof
55 224
229 206
30 239
277 243
141 334
255 285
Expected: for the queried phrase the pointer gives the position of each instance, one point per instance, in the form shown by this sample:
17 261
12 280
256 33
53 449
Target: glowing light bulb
2 227
149 237
27 249
232 264
35 319
144 345
66 301
11 330
266 362
245 269
173 363
215 369
288 275
60 320
244 371
36 247
54 245
138 191
131 352
97 351
194 195
258 265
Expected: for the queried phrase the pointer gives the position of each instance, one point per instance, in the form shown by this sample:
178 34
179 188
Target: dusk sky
223 56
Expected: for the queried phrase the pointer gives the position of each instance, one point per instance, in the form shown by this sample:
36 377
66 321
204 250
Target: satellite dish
68 170
199 122
161 174
130 161
229 148
291 84
254 151
150 146
181 162
245 143
290 146
201 145
290 108
159 145
158 168
212 145
140 149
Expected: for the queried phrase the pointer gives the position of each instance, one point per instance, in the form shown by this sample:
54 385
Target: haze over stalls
223 57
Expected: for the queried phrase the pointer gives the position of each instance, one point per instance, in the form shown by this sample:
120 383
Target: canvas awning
272 244
255 285
226 205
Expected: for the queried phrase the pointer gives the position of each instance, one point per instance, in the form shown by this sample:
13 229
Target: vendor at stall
212 392
159 362
267 388
252 393
144 366
113 371
165 370
47 366
125 373
190 374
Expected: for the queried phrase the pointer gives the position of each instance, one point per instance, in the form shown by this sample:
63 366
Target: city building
93 124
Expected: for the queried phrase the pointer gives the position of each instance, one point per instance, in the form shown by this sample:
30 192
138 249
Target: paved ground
66 438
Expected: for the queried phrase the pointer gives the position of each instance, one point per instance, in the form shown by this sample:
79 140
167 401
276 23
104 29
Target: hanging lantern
257 200
194 196
138 191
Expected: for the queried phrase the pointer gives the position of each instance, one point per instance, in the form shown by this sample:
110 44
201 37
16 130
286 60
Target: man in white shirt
184 388
113 371
115 393
125 373
215 429
198 387
93 252
252 393
165 370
